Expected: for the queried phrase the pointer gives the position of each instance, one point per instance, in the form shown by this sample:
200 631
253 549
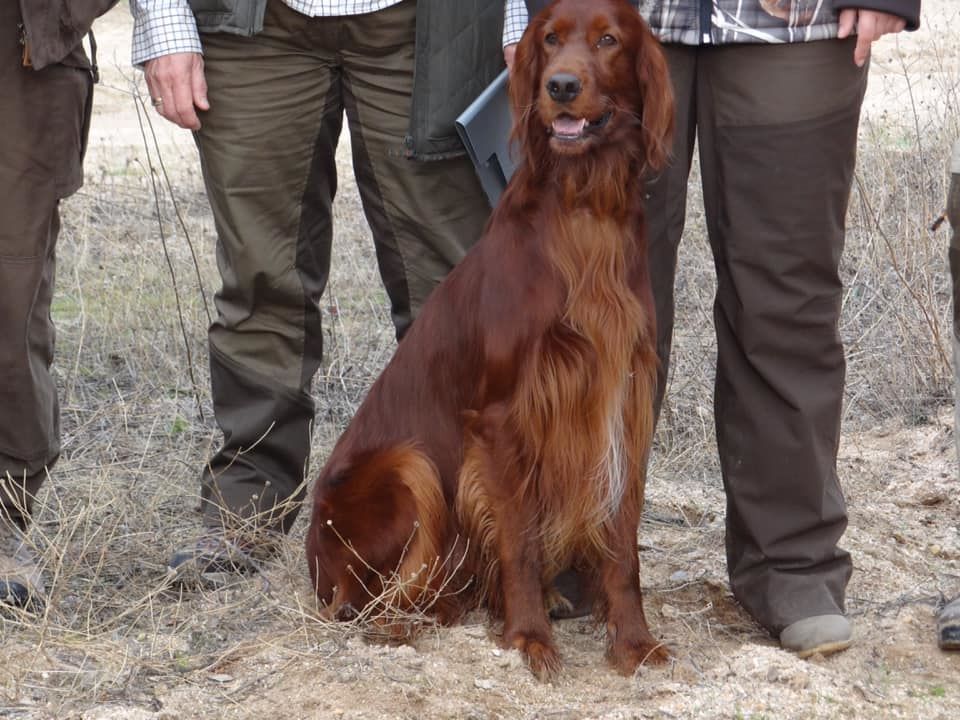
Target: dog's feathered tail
382 518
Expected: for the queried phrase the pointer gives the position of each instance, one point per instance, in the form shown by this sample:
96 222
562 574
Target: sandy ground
903 534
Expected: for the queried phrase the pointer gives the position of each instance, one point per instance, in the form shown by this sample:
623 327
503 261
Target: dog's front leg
526 626
502 512
631 643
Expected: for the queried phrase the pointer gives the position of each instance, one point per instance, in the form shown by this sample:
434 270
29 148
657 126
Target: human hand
508 52
869 25
178 87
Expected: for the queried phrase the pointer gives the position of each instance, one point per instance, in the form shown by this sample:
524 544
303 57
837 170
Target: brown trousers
777 131
44 117
267 147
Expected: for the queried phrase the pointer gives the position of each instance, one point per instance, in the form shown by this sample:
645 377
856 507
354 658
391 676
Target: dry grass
117 633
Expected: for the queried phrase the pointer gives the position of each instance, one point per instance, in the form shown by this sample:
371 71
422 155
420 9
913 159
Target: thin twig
141 112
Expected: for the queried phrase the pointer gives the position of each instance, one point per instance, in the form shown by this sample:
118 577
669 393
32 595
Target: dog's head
589 74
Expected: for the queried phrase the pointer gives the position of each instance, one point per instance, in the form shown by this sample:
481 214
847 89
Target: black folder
484 127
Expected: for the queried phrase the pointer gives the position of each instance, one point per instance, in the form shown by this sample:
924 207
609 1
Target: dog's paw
541 655
627 655
544 660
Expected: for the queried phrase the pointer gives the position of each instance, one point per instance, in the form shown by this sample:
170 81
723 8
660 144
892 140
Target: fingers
199 87
508 54
846 23
869 25
862 51
177 87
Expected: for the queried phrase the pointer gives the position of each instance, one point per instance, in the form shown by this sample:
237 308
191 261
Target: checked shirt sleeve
515 21
162 27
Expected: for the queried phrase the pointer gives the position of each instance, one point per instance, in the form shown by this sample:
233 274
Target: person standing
48 83
265 85
771 90
948 620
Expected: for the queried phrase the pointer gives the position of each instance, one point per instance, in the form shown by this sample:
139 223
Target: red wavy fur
507 439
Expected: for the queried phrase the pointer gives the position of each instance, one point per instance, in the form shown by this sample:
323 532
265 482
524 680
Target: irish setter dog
507 439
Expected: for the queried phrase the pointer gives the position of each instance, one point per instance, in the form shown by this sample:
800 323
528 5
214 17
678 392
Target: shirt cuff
163 29
515 21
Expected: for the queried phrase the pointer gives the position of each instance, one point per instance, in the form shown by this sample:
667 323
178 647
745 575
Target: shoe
948 626
212 559
571 596
820 634
21 581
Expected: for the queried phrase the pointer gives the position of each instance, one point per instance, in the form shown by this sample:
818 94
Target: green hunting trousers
777 132
267 148
43 117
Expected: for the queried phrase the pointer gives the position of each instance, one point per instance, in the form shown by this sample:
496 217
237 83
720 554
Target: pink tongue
568 126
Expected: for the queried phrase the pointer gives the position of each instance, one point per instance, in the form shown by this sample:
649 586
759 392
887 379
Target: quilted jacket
458 54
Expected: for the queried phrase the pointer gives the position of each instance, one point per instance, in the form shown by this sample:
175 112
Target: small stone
669 611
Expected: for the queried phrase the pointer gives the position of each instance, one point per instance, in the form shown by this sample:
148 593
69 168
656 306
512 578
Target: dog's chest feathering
580 384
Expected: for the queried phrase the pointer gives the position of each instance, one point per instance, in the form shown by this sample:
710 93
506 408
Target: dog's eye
551 39
607 41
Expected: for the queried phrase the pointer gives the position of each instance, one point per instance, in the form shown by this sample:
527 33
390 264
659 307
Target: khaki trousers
267 148
43 117
777 131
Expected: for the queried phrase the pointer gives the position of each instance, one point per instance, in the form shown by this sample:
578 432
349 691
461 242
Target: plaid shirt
736 21
162 27
741 21
515 19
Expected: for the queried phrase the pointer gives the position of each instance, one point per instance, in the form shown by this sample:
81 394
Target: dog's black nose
564 87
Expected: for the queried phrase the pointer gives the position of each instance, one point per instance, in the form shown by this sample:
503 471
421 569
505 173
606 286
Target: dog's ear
653 78
525 88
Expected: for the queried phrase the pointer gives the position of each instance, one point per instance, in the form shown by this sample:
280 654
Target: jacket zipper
706 12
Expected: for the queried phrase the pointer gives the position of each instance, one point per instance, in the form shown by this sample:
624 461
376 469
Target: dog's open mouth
567 127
